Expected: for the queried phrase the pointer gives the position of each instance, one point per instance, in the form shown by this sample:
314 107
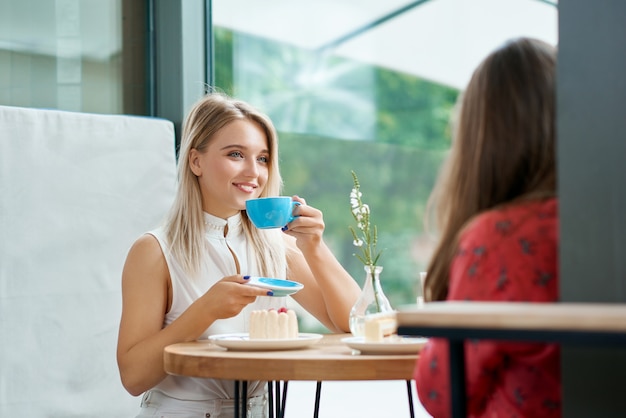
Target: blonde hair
504 146
184 225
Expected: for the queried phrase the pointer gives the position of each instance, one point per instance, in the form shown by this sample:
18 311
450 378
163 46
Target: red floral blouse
508 254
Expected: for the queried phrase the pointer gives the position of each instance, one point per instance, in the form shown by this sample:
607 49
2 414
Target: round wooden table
328 359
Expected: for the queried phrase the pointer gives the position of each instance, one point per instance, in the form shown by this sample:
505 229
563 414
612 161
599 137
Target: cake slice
273 324
379 326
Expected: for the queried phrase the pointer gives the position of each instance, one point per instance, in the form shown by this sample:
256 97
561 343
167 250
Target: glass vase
372 300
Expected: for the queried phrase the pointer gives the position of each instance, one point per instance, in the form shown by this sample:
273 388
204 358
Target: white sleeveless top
218 263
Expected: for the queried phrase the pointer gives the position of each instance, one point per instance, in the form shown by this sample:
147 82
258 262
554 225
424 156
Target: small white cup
420 298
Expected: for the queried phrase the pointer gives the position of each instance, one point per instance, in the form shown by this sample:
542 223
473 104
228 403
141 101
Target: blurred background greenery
335 115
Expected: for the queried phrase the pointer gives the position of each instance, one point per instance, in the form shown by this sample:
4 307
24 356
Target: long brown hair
185 222
503 150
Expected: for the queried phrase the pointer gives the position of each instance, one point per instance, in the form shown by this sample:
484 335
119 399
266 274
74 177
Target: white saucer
396 345
242 342
278 286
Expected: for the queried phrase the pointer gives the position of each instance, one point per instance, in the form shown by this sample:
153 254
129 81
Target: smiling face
233 168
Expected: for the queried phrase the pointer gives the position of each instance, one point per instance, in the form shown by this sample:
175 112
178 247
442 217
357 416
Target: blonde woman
186 280
497 213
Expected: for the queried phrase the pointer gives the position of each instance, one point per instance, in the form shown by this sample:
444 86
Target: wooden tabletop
592 317
328 359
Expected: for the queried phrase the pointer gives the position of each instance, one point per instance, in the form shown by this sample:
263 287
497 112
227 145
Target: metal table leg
318 394
244 399
241 399
237 398
277 403
270 395
457 378
410 393
284 399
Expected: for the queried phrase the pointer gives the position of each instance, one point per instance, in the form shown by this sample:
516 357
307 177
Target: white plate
241 341
278 286
397 345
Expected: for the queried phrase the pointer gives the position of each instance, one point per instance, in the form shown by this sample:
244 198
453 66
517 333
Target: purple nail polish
284 228
246 277
270 293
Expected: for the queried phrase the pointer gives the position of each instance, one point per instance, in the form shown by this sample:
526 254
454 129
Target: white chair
75 191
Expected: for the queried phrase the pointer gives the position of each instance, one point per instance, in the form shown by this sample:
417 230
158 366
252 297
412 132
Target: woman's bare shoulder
146 242
145 257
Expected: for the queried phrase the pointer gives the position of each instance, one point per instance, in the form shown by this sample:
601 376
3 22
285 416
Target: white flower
368 239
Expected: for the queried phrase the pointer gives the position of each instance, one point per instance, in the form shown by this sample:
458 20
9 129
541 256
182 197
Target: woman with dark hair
496 210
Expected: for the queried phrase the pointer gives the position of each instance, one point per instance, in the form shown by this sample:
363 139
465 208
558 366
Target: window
80 55
367 86
359 85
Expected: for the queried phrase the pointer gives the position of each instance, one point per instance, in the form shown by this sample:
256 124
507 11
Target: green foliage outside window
392 128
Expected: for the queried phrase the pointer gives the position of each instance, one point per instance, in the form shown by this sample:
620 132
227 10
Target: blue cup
271 212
